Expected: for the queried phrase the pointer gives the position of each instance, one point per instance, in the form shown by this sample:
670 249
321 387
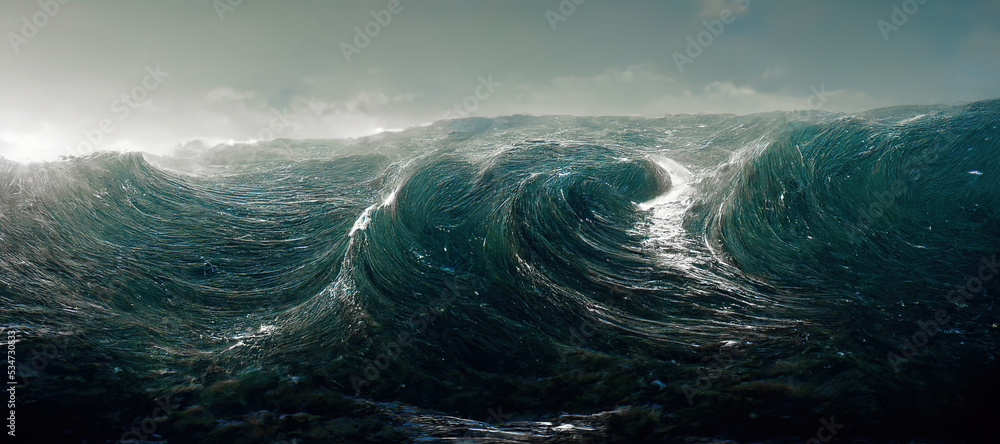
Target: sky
78 76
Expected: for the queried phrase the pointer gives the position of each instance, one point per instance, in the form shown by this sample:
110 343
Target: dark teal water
742 277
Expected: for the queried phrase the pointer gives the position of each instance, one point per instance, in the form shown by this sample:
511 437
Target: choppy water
479 279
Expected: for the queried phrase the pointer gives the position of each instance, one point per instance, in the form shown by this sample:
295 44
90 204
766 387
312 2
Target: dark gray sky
229 68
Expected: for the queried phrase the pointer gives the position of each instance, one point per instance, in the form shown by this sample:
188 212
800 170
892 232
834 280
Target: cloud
643 90
230 94
772 73
609 61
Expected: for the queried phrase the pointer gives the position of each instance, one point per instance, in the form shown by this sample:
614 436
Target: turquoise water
741 277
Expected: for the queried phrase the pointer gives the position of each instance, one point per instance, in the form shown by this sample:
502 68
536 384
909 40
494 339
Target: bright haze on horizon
81 76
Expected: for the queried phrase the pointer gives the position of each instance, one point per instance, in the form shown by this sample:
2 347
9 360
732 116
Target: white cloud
225 93
772 73
408 97
642 90
365 102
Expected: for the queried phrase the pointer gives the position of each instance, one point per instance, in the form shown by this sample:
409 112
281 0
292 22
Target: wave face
509 262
